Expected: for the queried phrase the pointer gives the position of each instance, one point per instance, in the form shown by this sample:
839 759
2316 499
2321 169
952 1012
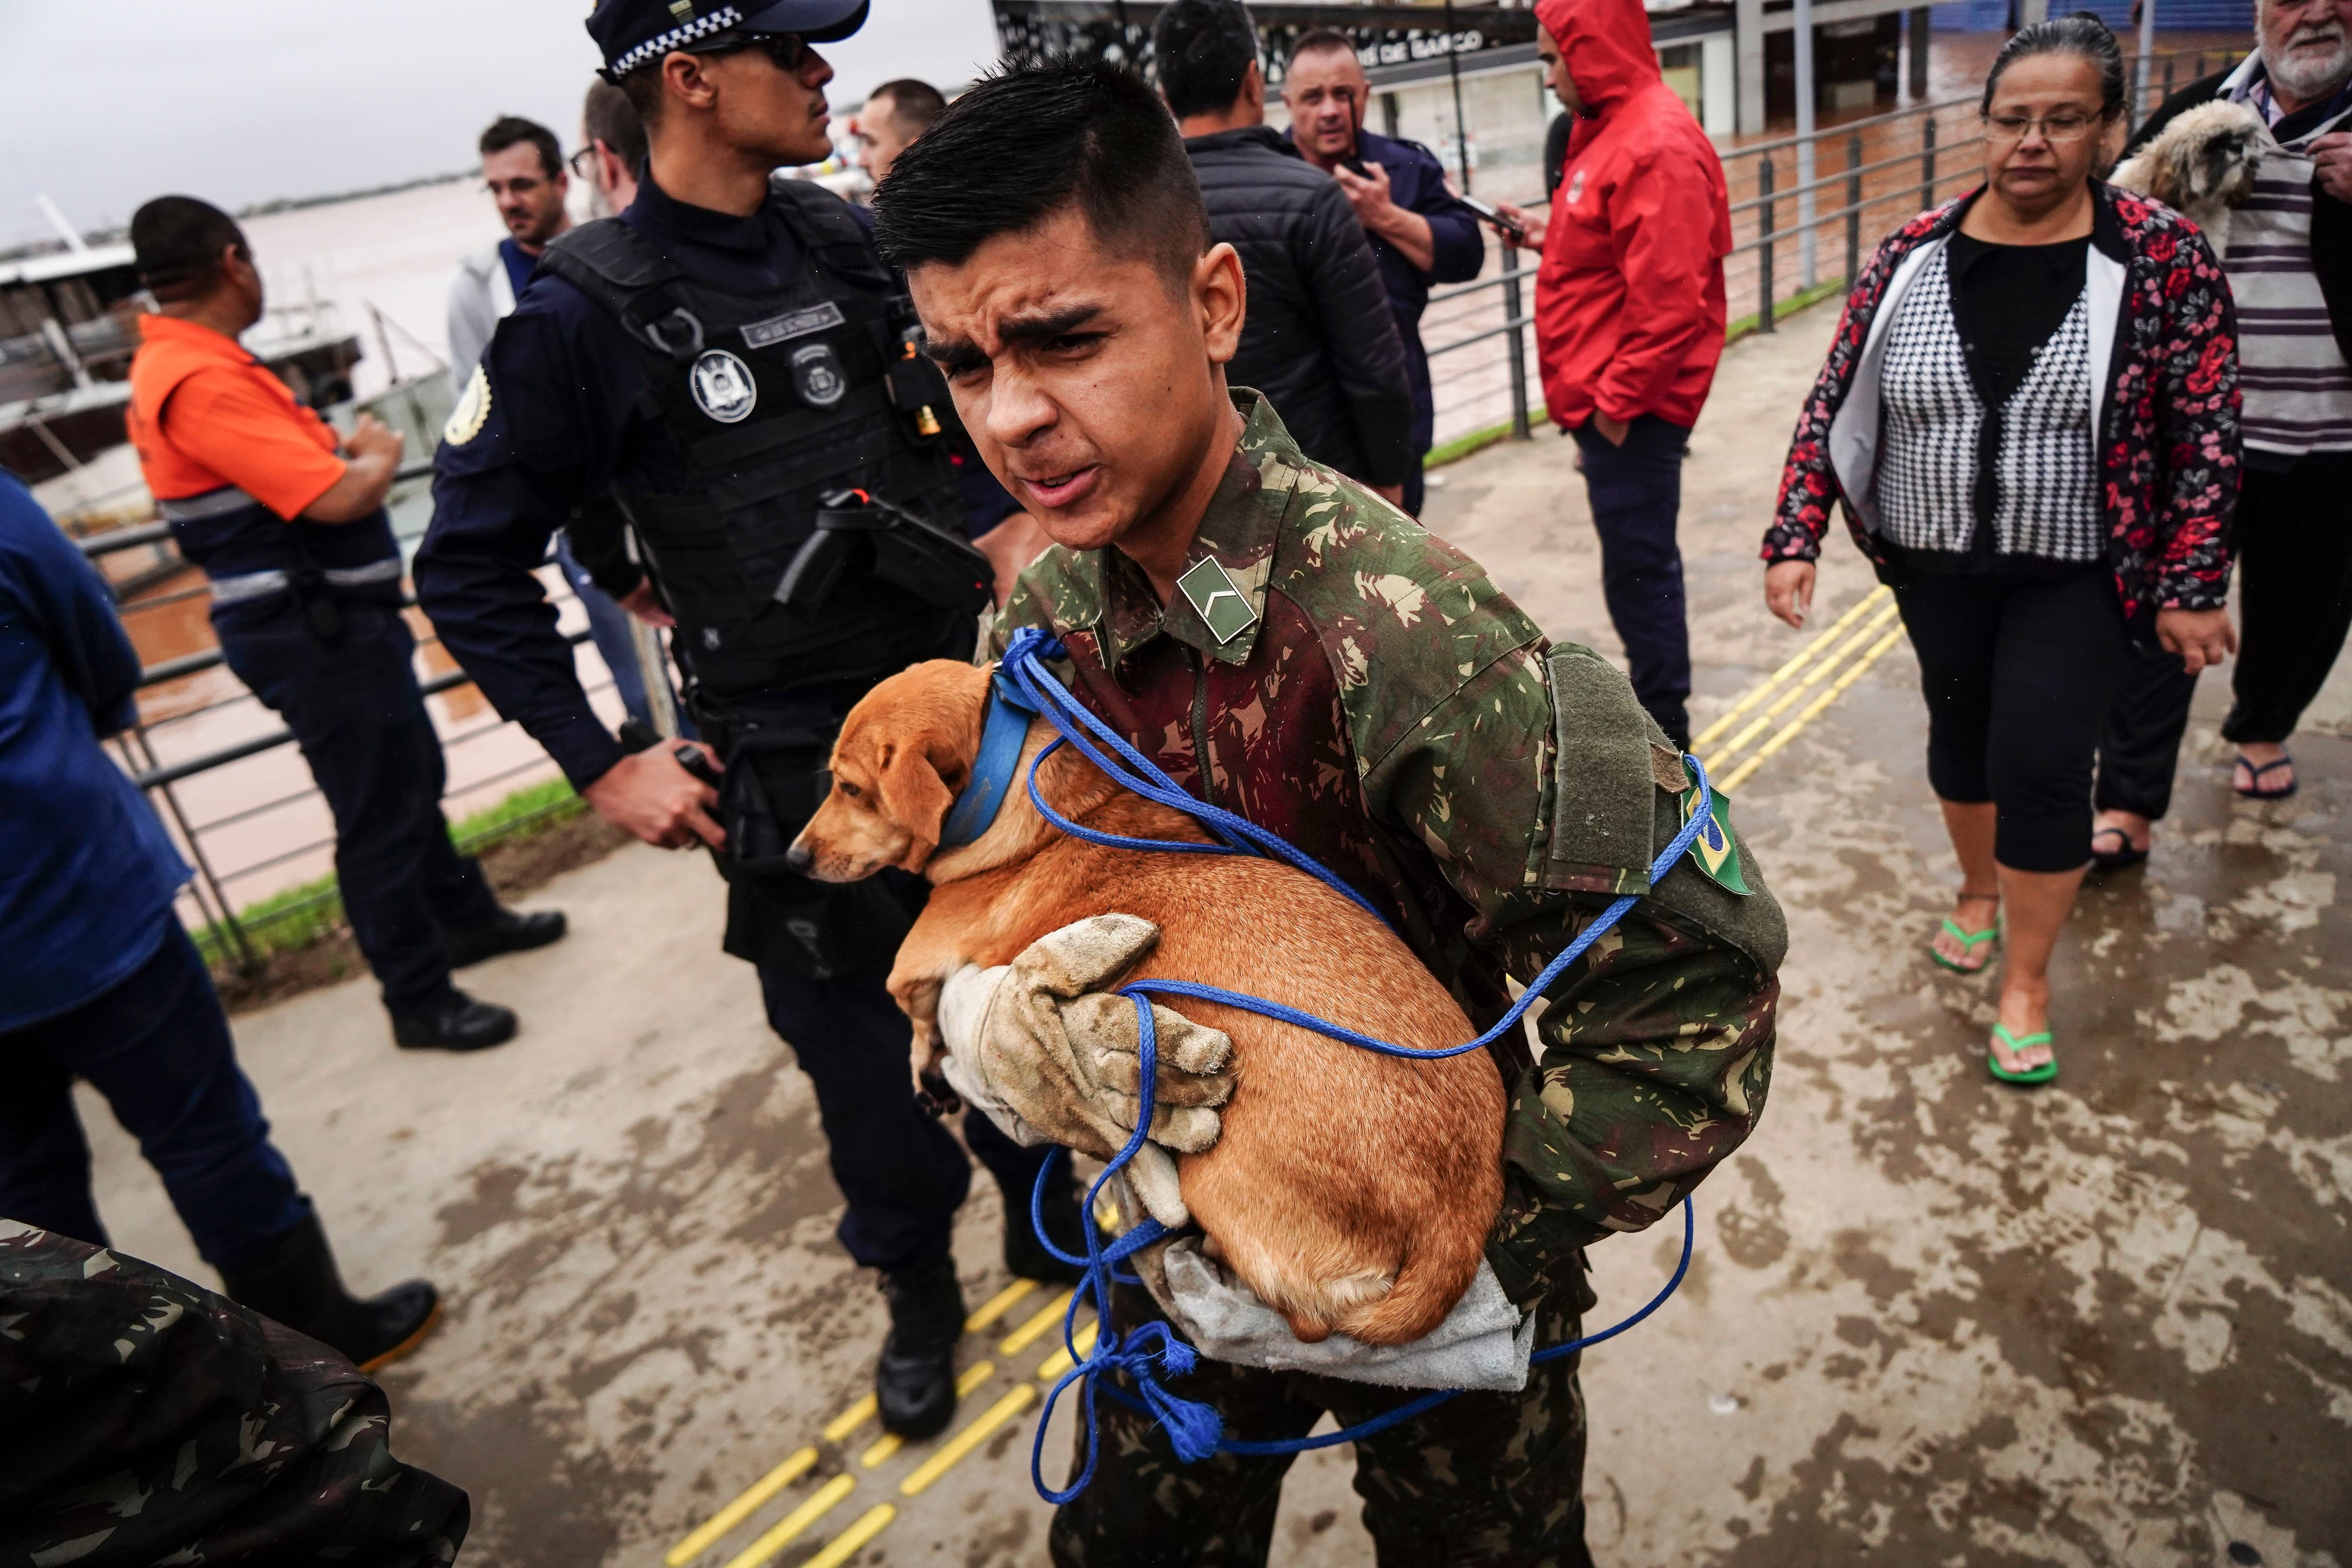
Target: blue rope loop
1194 1429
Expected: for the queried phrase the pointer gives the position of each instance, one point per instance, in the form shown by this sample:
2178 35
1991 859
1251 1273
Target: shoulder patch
1713 848
473 410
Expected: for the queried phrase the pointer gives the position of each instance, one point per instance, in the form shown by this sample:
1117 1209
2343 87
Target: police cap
633 33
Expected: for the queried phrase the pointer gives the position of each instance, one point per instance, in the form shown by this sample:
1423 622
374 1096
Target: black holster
775 753
858 532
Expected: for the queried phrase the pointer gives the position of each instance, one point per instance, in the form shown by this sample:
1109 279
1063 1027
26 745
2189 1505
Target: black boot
509 931
296 1282
1024 1256
460 1024
914 1382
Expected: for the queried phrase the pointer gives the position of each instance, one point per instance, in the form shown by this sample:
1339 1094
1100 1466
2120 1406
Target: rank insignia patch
1217 600
473 410
723 388
1713 848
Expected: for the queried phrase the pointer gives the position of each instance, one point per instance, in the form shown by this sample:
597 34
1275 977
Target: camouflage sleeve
1026 607
144 1419
1656 1045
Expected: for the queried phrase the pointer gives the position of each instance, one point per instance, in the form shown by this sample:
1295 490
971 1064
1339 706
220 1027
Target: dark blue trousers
1636 491
900 1169
157 1047
356 712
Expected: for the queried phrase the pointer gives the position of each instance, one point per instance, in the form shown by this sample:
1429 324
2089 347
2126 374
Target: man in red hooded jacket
1630 316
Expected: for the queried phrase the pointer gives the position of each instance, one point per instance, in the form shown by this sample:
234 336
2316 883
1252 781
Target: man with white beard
2289 260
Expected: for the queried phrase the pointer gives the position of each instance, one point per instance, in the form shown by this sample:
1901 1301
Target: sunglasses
788 50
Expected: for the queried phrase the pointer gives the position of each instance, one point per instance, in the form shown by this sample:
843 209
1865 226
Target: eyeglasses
2056 128
582 164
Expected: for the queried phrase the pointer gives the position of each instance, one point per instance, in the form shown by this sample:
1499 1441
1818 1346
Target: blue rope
1194 1428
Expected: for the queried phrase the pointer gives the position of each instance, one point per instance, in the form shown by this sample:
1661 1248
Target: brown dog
1351 1191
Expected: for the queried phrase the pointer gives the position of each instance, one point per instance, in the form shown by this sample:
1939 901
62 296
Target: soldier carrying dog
1286 645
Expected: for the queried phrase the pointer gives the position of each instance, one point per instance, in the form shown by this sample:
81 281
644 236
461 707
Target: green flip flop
2042 1074
1968 939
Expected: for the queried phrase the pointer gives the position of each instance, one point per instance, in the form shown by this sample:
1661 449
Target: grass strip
294 918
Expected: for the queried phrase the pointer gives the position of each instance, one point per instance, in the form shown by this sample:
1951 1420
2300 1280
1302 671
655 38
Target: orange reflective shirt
206 414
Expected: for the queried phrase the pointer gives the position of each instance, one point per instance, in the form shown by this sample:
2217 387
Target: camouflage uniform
1363 689
145 1420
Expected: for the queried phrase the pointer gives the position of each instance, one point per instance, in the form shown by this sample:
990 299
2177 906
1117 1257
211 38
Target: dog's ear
914 795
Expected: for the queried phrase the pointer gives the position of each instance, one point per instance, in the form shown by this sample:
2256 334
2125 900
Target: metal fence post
244 959
1928 162
1853 208
1764 248
1518 341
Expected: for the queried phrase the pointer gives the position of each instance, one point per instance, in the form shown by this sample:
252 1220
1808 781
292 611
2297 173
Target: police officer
306 603
731 363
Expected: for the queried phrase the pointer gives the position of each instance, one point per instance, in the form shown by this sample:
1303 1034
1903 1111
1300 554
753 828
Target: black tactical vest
775 401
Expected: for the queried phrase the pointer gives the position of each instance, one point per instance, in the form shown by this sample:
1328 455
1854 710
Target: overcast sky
243 100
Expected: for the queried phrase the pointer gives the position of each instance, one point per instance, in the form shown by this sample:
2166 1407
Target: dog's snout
799 858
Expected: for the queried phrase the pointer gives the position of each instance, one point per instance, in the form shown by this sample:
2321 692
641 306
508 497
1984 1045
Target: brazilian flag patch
1713 848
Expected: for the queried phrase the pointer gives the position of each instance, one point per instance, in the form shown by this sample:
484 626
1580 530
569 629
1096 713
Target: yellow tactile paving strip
936 1460
1838 658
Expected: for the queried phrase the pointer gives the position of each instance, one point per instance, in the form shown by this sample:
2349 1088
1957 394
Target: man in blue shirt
98 981
1420 233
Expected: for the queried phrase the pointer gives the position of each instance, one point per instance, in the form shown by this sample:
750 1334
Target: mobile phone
1502 226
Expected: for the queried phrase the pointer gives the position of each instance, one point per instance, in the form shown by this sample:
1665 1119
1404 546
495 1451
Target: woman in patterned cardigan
2030 416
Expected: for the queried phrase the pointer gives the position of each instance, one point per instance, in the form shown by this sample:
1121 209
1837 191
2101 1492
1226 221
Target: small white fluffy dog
2201 166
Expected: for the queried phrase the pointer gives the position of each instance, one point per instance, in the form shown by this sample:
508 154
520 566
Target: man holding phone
1421 233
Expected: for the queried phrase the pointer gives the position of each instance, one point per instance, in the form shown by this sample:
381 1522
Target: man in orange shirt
307 605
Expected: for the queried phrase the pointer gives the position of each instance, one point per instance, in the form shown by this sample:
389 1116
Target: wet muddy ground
1932 1319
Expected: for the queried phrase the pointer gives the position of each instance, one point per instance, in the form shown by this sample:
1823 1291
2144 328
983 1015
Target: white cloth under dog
1482 1343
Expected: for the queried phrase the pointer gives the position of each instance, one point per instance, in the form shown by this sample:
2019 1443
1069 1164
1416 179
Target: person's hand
1392 494
1789 591
1370 197
1045 1038
1053 1057
642 602
2331 159
1534 223
2201 637
1612 431
372 437
650 797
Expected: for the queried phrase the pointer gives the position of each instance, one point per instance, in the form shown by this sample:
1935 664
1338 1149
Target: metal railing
158 779
1879 170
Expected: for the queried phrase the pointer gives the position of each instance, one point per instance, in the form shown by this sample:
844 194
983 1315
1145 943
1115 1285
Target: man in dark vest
289 524
731 363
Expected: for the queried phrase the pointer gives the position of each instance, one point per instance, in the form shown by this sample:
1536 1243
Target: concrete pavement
1931 1320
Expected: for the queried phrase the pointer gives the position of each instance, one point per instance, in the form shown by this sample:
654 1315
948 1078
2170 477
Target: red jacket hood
1607 45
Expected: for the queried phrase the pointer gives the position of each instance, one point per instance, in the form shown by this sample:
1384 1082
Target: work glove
1053 1057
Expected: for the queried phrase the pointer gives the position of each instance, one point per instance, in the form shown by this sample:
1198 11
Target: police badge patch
723 388
473 410
818 375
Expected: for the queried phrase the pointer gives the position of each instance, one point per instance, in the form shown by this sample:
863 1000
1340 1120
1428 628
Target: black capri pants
2019 673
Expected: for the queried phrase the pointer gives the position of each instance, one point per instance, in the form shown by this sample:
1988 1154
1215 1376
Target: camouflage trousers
1494 1480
